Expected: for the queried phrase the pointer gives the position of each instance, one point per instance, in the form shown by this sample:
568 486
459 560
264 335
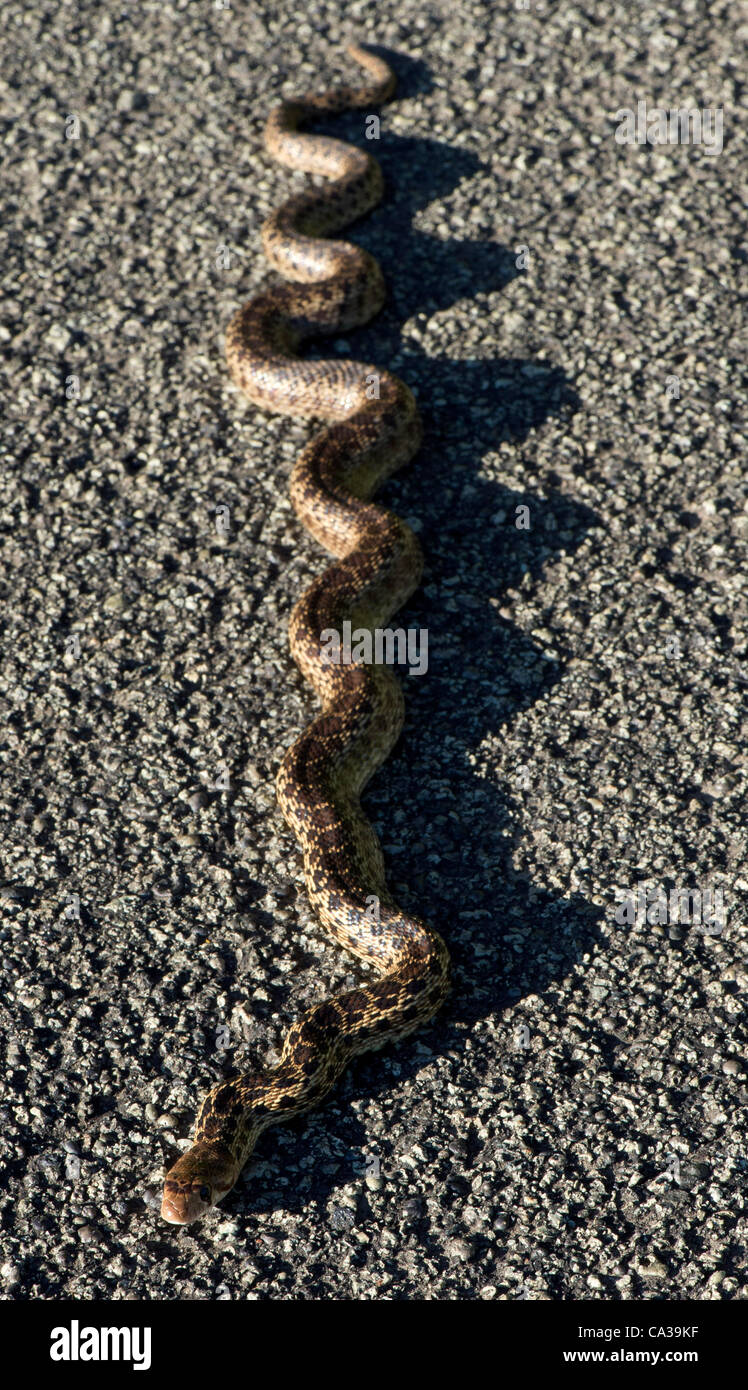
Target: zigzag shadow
482 670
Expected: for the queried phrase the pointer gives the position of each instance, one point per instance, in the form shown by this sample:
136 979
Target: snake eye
204 1193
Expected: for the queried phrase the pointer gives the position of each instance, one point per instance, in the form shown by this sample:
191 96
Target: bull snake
373 428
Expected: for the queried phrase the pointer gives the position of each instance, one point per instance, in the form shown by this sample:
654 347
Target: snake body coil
373 429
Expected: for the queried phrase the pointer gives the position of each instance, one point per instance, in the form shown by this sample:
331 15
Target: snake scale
372 428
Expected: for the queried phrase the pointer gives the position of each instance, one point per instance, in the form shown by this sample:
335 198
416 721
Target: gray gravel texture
572 1125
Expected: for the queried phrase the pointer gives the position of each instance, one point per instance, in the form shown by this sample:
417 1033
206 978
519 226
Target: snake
371 428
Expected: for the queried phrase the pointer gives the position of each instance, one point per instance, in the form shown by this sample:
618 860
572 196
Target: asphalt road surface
565 299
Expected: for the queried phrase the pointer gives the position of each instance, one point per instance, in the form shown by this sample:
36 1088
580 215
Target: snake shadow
483 671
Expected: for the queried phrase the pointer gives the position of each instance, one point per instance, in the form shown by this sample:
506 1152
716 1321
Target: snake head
199 1179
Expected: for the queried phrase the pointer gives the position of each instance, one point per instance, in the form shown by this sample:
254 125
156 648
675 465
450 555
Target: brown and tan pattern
374 429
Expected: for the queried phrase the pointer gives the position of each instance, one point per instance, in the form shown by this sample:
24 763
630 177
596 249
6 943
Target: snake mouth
199 1179
180 1206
